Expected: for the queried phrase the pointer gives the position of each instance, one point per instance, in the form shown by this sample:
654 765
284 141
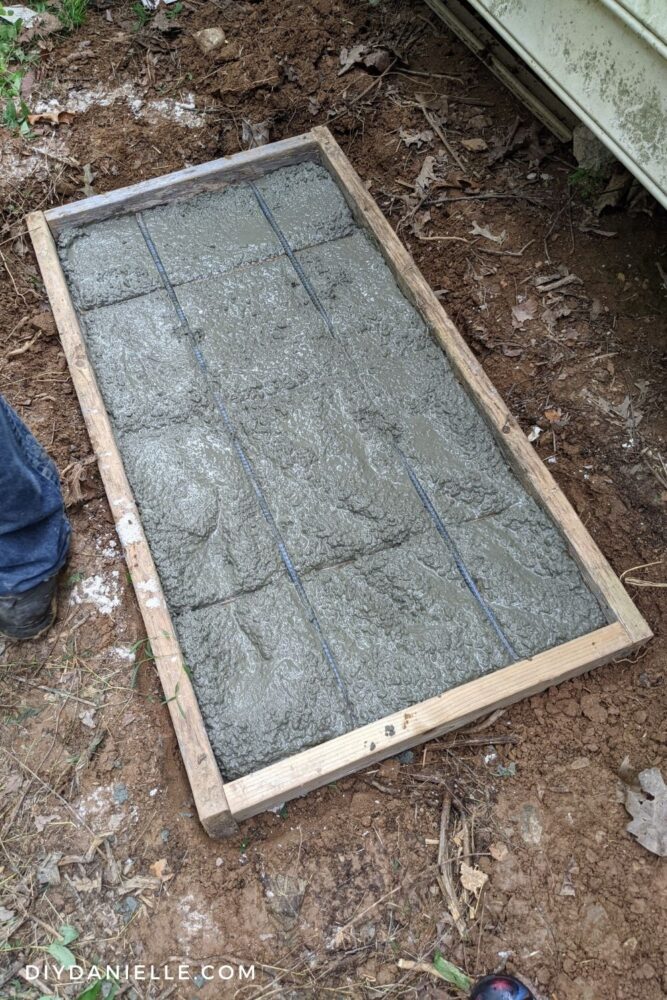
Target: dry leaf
254 135
553 414
475 145
159 870
52 118
415 138
378 59
43 821
478 230
351 57
498 851
84 884
361 55
473 879
523 311
426 175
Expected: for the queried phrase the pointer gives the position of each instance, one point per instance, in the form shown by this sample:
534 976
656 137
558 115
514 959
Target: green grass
14 61
16 57
72 13
141 14
586 182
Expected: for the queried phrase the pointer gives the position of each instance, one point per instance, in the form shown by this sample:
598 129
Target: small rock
209 39
530 826
579 763
199 980
407 757
129 906
120 793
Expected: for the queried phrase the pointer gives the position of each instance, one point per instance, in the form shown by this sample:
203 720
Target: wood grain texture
332 760
212 176
521 456
220 805
200 765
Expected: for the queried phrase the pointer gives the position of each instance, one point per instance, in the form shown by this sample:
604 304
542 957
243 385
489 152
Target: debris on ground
649 811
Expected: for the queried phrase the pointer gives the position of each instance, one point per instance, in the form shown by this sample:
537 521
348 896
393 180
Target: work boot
29 615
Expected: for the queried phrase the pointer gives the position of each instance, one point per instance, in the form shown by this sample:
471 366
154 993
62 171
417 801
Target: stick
441 135
444 872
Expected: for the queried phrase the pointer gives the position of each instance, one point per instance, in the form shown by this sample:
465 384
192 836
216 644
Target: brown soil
572 902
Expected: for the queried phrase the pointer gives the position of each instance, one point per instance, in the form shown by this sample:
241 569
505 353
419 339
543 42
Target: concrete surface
320 418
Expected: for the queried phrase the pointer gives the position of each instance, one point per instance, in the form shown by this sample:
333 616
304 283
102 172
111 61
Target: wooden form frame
221 804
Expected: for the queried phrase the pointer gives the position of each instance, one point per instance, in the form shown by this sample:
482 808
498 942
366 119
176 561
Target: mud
321 418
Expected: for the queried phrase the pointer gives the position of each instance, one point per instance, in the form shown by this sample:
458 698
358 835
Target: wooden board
220 805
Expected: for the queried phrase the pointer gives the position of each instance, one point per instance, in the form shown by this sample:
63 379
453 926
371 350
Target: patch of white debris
77 101
121 653
22 162
103 593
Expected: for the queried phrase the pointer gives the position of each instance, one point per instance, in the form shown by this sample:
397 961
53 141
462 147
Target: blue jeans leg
34 532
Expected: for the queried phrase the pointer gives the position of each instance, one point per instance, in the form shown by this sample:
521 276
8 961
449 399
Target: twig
637 582
436 76
441 135
11 277
48 787
61 694
458 239
366 90
444 872
505 253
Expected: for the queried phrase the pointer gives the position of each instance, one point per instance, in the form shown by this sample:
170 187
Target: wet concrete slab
273 455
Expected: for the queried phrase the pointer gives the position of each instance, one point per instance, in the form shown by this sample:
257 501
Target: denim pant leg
34 532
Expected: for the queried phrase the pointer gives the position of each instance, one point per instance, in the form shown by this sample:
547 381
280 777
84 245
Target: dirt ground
326 896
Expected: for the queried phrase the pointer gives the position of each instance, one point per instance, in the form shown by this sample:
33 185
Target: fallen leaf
13 783
475 145
43 821
473 879
649 812
479 121
84 884
351 57
554 414
417 139
254 135
426 175
378 59
48 873
52 118
158 869
523 311
420 221
498 851
361 55
478 230
6 915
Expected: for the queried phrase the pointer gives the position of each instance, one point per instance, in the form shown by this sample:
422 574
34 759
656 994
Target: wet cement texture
311 590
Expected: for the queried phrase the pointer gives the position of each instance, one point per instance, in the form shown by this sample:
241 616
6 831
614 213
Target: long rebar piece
417 485
247 467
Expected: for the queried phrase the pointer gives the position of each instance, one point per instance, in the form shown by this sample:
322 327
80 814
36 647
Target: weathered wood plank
212 176
200 765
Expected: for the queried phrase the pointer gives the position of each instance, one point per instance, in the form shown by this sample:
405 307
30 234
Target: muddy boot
29 615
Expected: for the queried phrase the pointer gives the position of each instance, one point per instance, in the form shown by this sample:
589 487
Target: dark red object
500 988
